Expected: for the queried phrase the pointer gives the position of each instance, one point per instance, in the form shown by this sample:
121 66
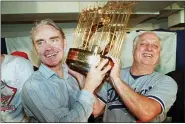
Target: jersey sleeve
164 92
24 69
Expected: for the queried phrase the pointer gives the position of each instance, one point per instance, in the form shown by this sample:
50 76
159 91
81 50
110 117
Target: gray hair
137 40
45 22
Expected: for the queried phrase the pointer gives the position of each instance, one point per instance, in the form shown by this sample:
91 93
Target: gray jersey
156 86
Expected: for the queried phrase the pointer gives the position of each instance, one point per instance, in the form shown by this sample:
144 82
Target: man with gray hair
137 93
55 93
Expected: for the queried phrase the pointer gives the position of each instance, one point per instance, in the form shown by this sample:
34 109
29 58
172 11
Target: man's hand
115 71
96 75
80 78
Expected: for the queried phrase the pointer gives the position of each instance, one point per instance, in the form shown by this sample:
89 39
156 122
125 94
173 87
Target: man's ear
65 43
34 47
133 50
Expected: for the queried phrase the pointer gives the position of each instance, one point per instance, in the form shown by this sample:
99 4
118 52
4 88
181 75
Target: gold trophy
100 31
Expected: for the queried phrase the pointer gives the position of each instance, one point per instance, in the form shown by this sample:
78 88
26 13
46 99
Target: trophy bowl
81 60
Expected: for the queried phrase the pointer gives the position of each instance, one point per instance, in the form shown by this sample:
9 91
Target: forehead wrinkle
150 39
50 29
149 36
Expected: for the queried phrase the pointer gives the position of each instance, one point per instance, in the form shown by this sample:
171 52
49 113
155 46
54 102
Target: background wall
21 30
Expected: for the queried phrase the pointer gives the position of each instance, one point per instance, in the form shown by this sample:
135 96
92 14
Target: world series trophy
100 31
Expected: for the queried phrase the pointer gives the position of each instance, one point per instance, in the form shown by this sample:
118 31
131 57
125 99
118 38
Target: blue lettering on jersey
112 97
143 91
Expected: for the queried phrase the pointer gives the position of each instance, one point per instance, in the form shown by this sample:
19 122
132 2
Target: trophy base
80 60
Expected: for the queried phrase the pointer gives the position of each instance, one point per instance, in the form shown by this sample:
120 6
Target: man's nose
49 46
149 47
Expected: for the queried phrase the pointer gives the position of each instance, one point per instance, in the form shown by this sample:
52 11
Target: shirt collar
47 72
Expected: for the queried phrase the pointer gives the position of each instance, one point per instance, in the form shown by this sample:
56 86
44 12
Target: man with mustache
137 93
51 94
